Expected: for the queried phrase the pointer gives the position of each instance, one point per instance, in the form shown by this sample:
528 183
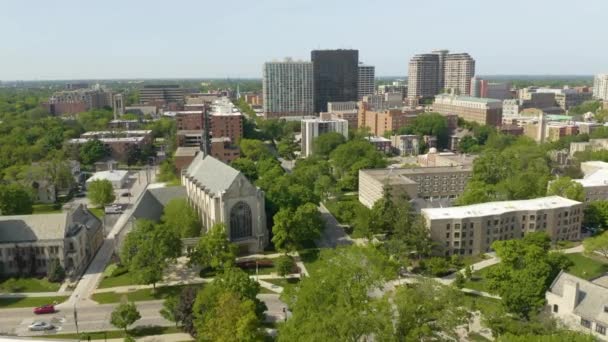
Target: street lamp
76 315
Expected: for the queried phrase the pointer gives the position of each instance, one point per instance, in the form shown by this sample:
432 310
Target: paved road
92 276
333 235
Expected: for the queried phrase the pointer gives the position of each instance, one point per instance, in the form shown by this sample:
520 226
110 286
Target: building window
241 223
586 323
555 308
600 329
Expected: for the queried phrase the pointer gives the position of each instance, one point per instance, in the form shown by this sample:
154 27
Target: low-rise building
117 142
406 145
436 159
481 110
312 128
591 145
595 180
428 183
389 120
471 229
183 156
351 116
28 243
579 304
118 178
345 106
381 144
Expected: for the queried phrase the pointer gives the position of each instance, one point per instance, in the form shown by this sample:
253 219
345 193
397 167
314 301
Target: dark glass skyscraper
336 73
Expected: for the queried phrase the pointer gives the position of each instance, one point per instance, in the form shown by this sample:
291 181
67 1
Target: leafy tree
285 265
214 249
254 149
183 310
15 200
525 272
100 192
468 272
324 144
247 167
294 227
562 336
587 106
148 249
353 156
596 214
428 311
92 151
432 124
167 172
437 266
124 315
232 318
566 187
597 244
338 291
468 144
55 272
459 280
180 217
169 309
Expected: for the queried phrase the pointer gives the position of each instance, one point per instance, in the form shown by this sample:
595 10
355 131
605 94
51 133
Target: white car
40 326
113 209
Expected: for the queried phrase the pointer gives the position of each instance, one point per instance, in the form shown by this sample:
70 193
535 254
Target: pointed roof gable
211 174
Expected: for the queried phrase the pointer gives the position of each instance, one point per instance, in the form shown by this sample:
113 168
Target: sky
76 39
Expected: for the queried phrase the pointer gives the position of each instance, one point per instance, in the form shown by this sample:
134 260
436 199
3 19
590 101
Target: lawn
261 270
123 279
19 285
138 295
46 208
479 282
284 283
487 306
587 267
99 212
30 302
135 332
310 259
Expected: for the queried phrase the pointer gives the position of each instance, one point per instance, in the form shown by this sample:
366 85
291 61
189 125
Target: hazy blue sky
65 39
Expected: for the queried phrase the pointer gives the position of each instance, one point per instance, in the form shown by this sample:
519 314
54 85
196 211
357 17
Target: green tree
468 144
596 214
124 315
254 149
169 309
285 265
214 249
561 336
231 319
247 167
566 187
147 251
338 291
437 266
180 217
348 158
92 151
15 200
324 144
432 124
100 192
597 244
428 311
55 272
294 227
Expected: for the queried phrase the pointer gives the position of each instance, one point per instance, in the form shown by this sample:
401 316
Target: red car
45 309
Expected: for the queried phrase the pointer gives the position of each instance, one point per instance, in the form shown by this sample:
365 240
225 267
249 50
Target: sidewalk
34 294
177 337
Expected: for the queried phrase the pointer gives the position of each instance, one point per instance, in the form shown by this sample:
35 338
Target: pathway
177 337
333 235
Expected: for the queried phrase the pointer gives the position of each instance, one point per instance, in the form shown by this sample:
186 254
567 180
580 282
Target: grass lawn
30 302
138 295
587 267
135 332
46 208
261 270
17 285
284 283
310 257
475 337
472 259
487 306
479 282
124 279
99 212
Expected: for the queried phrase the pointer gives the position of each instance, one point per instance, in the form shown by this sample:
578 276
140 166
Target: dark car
126 194
45 309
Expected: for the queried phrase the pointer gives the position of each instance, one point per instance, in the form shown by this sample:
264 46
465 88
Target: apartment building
594 181
352 116
406 145
428 183
336 77
423 76
381 144
341 106
591 145
366 84
77 100
117 142
482 111
312 128
161 94
471 229
288 89
28 243
389 120
600 87
459 68
430 73
491 90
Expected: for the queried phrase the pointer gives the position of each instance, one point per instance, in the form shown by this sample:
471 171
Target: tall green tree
566 187
100 192
596 214
214 249
15 200
92 151
324 144
292 228
180 217
231 319
124 315
147 251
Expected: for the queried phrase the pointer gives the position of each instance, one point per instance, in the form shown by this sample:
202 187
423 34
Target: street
333 235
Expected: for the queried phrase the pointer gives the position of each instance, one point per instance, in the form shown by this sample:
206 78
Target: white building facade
312 128
288 89
600 87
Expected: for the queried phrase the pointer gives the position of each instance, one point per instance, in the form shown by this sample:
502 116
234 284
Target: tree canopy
100 192
180 217
566 187
213 249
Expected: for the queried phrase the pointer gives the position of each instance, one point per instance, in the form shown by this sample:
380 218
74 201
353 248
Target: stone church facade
222 194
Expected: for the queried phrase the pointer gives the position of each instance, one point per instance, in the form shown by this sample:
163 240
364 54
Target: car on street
40 326
126 194
113 209
45 309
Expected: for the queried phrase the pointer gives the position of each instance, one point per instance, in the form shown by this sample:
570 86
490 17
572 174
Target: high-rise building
430 73
423 76
312 128
459 68
336 75
366 85
600 87
288 89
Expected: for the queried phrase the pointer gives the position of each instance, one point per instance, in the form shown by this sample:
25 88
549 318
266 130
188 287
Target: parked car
40 326
45 309
113 209
126 194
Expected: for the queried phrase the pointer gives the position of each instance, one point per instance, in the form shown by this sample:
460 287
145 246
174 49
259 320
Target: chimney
570 294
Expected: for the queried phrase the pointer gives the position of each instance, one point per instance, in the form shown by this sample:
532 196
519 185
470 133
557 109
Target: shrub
437 266
251 264
286 265
55 272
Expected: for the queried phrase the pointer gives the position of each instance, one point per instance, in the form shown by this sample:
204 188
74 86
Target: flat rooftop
186 151
108 140
399 175
498 208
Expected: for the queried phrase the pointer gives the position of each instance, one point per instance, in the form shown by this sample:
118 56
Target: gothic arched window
241 224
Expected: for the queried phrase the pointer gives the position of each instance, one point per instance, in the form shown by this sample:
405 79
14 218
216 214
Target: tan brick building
482 111
471 229
390 120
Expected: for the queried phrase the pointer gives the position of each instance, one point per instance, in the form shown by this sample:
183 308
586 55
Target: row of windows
25 251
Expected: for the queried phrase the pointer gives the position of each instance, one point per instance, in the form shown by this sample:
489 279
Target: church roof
154 200
211 173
